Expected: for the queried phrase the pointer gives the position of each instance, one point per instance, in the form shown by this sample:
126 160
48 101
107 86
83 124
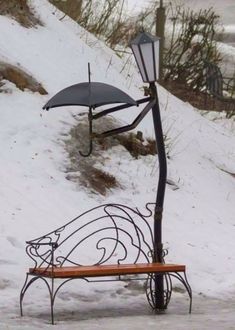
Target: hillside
36 196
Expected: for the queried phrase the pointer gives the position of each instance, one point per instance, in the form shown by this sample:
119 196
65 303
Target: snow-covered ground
35 197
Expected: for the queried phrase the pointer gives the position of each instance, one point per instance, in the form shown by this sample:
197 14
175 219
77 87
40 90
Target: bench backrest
214 79
110 233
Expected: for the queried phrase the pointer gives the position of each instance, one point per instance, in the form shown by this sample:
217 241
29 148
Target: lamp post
145 48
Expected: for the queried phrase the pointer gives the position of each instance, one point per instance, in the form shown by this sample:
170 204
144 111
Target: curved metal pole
162 166
158 247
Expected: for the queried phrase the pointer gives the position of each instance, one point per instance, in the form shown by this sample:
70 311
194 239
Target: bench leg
22 292
183 279
151 292
52 300
27 284
24 289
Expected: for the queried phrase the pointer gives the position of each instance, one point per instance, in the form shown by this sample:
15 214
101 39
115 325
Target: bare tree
190 45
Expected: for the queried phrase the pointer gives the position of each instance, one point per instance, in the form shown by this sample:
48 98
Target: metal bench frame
123 244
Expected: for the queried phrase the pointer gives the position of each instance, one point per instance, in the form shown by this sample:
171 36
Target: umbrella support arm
120 107
119 130
127 128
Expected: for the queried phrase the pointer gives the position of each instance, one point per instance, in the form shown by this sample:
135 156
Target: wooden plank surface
107 270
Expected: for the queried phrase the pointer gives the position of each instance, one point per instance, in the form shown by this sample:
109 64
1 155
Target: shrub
20 11
20 78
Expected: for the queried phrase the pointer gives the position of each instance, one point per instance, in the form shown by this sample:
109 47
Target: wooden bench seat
106 270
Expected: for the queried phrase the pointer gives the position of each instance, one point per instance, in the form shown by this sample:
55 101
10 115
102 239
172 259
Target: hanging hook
90 136
90 121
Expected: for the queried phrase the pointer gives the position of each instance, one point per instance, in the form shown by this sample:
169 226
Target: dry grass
20 78
136 145
88 171
84 170
72 8
196 98
93 179
98 180
20 11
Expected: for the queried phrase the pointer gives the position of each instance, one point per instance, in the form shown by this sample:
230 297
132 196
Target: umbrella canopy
91 94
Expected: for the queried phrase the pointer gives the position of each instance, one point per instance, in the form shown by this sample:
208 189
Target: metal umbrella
92 95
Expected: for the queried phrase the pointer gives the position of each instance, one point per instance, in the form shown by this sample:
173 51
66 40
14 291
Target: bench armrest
53 244
42 253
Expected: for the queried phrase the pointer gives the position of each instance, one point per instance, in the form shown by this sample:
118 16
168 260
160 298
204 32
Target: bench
220 88
110 240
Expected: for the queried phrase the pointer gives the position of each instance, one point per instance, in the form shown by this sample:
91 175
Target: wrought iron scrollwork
152 292
110 234
115 233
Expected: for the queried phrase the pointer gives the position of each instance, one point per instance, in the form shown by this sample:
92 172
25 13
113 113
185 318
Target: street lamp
145 48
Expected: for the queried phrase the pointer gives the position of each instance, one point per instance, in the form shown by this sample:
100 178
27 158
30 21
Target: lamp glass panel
136 51
147 52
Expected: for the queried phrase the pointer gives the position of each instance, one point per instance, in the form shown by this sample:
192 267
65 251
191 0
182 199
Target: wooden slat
107 270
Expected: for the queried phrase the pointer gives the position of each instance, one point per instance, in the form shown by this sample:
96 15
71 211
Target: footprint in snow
4 283
14 242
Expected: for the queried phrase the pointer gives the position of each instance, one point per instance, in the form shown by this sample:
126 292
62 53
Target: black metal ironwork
113 217
152 291
89 94
157 233
120 107
158 246
90 136
134 124
94 95
92 117
118 234
72 93
143 61
128 230
184 281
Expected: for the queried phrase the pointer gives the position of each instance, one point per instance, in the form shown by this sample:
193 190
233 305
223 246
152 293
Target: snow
35 197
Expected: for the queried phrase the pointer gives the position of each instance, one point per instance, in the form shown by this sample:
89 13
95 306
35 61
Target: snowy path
127 312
